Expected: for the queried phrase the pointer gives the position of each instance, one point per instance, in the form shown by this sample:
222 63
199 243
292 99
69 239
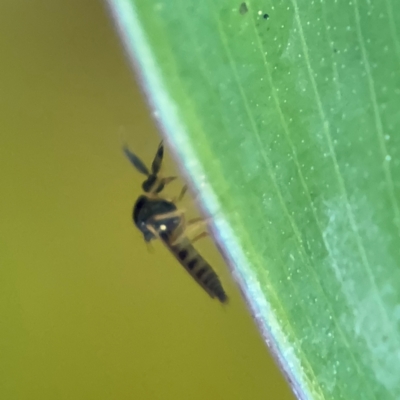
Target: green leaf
285 116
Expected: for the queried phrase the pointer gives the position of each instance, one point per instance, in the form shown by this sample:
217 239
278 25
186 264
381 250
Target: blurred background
86 310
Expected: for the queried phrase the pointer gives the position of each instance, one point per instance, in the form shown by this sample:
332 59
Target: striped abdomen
201 271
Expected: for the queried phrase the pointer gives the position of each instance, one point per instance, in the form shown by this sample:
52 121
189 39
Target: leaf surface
285 115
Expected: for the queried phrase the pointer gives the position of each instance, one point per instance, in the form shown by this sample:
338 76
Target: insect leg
153 231
198 237
171 214
192 226
168 179
181 195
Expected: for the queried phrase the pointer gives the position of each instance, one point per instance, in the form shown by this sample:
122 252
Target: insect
159 218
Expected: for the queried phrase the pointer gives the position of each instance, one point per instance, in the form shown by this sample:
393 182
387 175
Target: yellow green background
86 311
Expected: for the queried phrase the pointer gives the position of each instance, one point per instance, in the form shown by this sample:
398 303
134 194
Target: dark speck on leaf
243 8
335 50
265 16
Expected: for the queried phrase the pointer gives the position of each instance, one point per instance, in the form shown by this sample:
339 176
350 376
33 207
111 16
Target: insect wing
156 164
136 161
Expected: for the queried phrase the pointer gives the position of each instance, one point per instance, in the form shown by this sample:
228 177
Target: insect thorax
144 212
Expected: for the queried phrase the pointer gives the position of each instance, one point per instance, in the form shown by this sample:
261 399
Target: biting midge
159 218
